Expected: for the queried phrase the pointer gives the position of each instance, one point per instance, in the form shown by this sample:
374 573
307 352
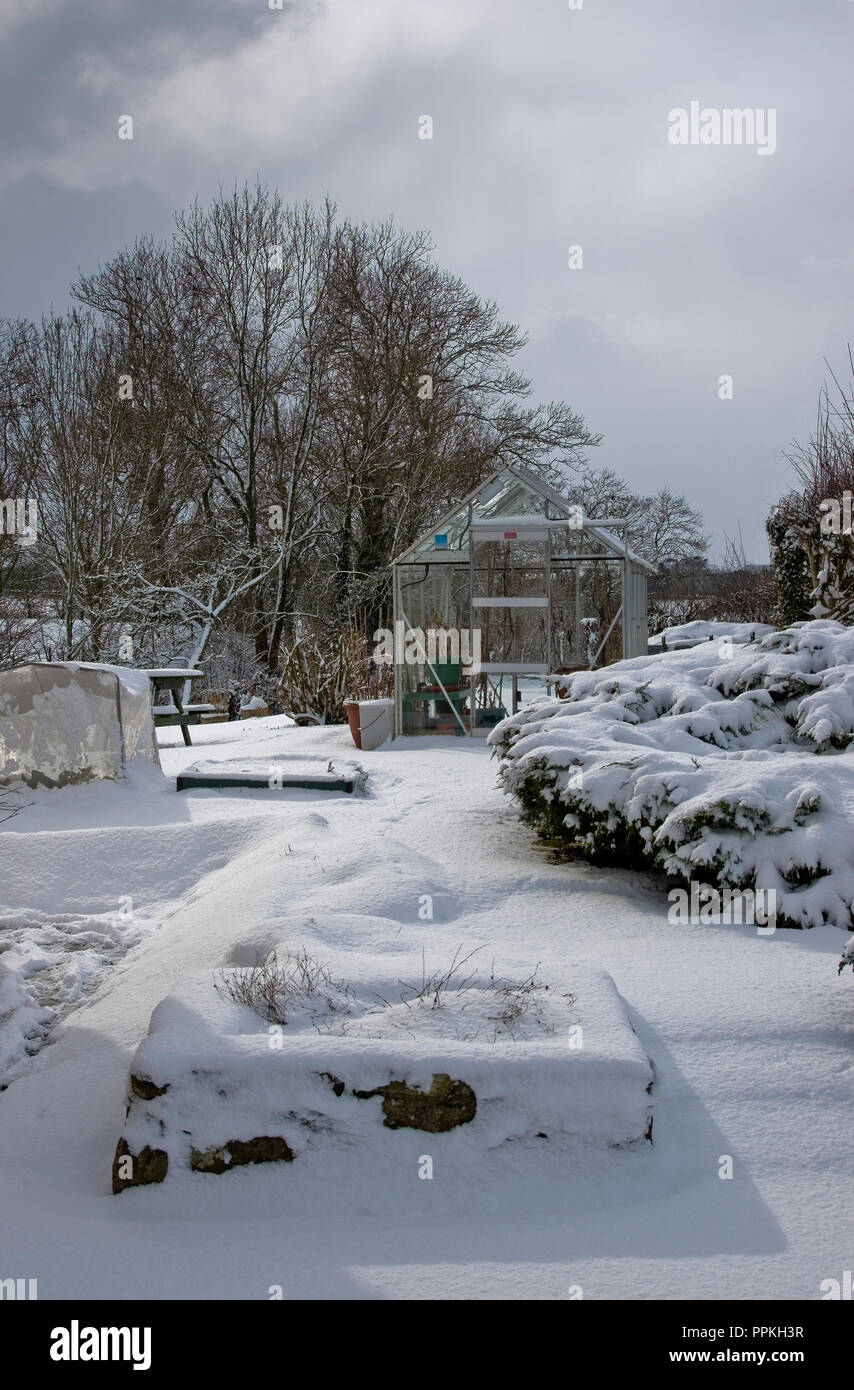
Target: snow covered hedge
725 764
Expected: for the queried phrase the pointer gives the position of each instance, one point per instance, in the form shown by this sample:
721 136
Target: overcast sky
550 130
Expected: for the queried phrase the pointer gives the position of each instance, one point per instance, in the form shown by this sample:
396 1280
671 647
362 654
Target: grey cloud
42 61
51 232
551 128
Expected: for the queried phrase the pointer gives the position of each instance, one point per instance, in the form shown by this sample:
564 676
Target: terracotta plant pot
352 708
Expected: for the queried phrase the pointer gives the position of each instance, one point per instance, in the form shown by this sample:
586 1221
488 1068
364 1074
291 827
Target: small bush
320 673
275 987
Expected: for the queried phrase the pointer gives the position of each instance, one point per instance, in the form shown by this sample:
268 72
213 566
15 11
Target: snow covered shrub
810 528
726 764
786 525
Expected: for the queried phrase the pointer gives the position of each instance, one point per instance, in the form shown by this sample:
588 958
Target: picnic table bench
173 679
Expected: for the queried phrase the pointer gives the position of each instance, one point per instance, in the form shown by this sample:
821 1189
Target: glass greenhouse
513 588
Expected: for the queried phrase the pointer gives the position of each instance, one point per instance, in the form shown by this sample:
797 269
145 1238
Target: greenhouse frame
513 586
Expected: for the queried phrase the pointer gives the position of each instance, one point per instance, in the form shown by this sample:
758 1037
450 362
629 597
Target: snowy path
752 1037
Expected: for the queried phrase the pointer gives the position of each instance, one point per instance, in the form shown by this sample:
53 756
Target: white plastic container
375 722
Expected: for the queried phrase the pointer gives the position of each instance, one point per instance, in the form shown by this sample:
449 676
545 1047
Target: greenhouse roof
513 496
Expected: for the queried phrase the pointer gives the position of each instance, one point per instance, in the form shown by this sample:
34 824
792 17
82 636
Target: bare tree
18 485
664 528
312 395
425 403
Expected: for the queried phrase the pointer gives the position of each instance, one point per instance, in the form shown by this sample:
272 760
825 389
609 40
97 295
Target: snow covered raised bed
725 764
276 773
215 1085
691 634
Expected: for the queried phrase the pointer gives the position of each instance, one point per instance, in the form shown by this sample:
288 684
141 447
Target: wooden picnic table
173 679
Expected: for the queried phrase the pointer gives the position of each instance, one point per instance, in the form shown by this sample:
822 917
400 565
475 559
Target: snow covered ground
751 1037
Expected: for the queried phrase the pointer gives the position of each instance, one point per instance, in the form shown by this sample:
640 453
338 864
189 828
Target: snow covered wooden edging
215 1087
298 772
